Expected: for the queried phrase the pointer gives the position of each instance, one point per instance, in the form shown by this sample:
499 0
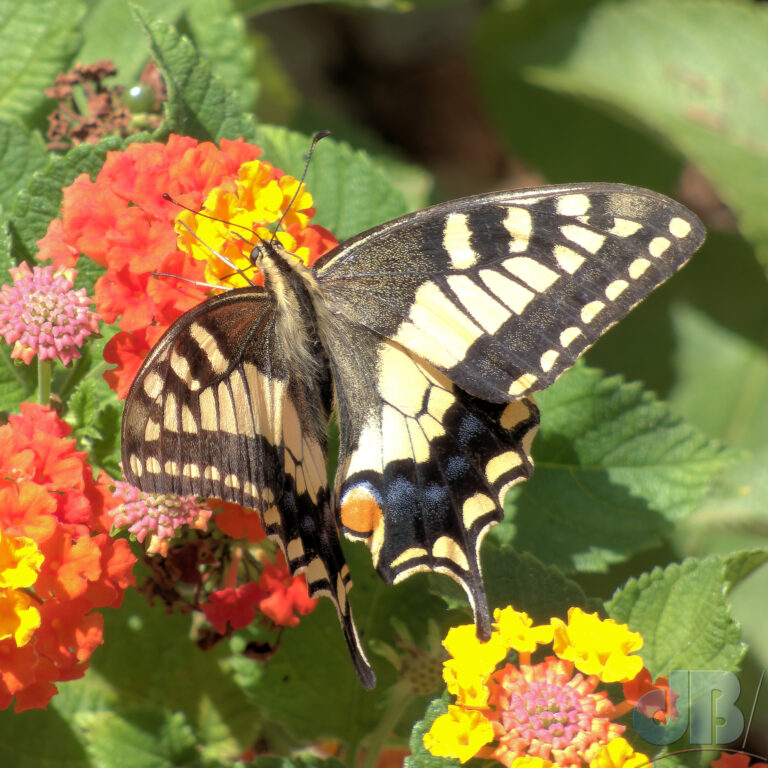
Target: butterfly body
427 335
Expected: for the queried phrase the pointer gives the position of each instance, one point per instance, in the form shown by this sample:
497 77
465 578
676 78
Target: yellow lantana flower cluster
537 715
239 217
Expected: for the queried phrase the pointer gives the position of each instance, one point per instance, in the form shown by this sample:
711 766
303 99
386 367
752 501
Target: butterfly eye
257 254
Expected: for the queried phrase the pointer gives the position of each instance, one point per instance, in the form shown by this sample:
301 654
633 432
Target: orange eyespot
360 511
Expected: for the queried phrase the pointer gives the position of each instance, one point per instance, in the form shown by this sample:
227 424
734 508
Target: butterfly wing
423 466
204 411
443 322
503 292
215 412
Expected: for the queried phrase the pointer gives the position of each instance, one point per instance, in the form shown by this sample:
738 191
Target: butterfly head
271 257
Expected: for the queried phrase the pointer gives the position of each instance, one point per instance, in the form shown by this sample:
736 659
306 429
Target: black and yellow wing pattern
429 334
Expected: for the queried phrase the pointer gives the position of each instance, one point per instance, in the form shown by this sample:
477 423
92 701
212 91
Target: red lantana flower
57 562
122 222
277 595
736 760
285 597
652 698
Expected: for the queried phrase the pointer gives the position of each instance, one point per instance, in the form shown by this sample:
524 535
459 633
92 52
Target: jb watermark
701 703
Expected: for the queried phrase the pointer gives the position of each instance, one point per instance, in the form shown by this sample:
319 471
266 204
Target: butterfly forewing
204 414
503 292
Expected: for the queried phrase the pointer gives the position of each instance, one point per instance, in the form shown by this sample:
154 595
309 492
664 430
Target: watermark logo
702 702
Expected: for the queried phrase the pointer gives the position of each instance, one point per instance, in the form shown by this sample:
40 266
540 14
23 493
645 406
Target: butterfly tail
307 533
328 575
362 666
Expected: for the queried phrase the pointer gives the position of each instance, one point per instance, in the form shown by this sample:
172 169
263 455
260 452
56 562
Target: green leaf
734 516
38 39
647 346
420 757
350 193
157 684
300 760
682 613
17 382
83 407
218 33
253 7
199 104
711 361
38 738
689 72
6 261
37 205
310 687
104 451
520 580
144 738
565 138
94 414
21 154
614 468
128 50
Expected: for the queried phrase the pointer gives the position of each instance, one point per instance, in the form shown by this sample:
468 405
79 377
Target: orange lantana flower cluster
122 221
57 560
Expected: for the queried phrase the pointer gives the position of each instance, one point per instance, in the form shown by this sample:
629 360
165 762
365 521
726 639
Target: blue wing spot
456 467
402 497
470 427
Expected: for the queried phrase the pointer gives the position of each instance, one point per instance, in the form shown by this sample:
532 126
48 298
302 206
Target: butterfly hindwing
303 521
423 466
503 292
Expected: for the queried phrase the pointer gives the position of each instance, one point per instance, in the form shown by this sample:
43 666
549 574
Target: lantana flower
277 595
42 314
652 698
123 222
537 714
736 760
157 516
57 561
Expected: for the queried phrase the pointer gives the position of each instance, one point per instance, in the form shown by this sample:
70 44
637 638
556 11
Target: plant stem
376 740
43 381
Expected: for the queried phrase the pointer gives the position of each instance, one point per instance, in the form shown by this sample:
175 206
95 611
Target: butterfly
427 336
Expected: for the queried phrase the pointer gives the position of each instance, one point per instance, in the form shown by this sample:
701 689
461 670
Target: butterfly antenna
218 255
167 197
319 135
199 283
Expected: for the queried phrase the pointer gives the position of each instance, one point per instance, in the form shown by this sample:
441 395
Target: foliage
651 476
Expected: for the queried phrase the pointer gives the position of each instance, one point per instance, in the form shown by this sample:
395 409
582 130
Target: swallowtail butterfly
428 336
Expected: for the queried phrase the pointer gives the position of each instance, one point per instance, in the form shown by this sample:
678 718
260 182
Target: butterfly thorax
294 290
